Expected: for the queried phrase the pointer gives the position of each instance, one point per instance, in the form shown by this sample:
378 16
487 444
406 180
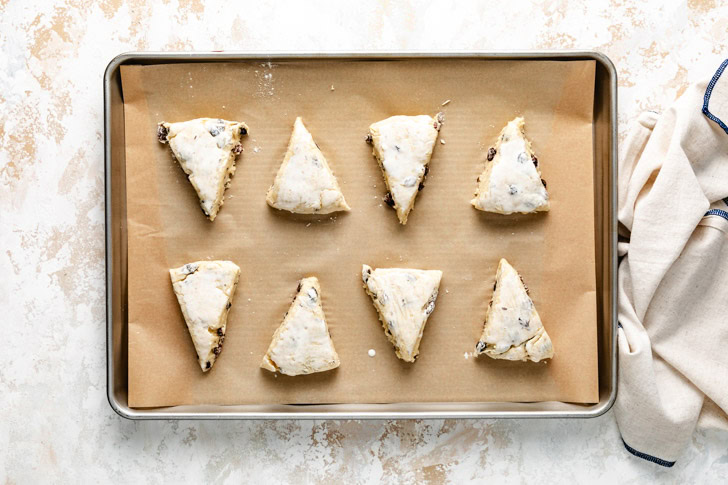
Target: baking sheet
554 251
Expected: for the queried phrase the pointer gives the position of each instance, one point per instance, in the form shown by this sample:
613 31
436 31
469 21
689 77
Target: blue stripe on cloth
645 456
717 212
709 91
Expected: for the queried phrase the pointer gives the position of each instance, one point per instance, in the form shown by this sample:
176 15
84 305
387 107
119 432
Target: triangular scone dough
403 147
511 181
302 344
513 329
205 292
304 183
205 149
404 298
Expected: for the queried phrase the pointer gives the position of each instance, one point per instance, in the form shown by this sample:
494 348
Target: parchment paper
553 251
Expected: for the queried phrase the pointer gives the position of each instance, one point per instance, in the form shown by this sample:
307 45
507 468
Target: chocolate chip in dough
491 154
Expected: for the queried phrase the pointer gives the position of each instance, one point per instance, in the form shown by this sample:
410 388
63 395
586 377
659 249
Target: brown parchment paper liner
553 251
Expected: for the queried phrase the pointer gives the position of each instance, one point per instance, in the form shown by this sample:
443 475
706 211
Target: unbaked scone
513 329
304 183
511 181
404 298
205 149
205 292
403 147
302 344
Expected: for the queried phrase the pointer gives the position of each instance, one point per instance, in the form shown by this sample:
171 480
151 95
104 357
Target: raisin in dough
205 292
205 149
511 181
302 344
513 329
403 148
404 298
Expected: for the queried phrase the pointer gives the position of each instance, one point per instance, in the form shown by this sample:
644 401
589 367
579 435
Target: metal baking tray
605 203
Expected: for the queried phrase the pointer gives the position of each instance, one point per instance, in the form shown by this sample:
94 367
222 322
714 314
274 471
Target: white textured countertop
56 424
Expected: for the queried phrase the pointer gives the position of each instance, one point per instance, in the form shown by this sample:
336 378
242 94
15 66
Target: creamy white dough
205 292
205 149
403 147
404 298
513 328
302 343
511 181
304 183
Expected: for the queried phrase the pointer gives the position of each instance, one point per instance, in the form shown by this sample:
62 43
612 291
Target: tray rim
280 412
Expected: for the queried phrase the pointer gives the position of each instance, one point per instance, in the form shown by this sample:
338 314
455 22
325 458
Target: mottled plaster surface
56 424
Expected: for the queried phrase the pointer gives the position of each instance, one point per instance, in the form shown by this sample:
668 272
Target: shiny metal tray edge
605 160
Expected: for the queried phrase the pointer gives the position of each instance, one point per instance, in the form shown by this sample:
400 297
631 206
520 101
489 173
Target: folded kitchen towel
673 274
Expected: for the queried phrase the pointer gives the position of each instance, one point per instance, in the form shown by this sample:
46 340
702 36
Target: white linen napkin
673 274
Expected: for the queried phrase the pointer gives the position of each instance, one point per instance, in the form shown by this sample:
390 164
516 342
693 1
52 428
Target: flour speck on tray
266 80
